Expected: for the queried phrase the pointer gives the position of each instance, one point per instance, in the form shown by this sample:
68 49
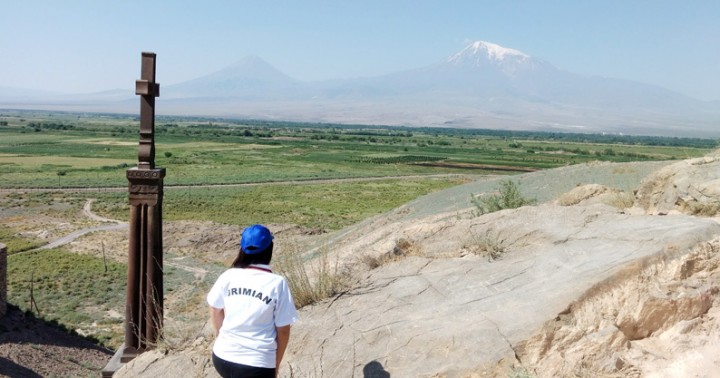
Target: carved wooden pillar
144 301
144 306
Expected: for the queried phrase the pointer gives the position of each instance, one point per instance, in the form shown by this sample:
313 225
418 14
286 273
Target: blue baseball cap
255 239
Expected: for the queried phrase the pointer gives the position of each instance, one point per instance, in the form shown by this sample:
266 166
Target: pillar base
120 358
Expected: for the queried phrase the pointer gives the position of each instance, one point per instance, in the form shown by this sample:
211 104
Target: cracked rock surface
461 314
582 288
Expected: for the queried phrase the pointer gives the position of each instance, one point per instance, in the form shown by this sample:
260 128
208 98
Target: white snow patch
486 49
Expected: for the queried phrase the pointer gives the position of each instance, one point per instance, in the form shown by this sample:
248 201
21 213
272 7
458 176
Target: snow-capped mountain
481 51
483 85
489 56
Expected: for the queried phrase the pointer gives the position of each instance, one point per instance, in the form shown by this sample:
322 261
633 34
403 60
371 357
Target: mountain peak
250 63
486 50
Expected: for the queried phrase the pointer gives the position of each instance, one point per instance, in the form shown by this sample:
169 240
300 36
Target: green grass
71 289
74 291
16 243
332 206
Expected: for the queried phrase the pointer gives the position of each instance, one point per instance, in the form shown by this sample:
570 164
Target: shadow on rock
375 369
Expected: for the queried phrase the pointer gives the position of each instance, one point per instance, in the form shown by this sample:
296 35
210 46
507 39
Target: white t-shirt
255 302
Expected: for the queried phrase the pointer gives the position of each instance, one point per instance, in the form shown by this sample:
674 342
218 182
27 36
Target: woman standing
251 309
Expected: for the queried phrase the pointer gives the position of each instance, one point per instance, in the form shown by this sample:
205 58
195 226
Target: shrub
509 197
492 245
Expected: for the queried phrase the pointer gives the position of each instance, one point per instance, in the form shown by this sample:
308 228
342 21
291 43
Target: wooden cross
144 300
148 89
144 307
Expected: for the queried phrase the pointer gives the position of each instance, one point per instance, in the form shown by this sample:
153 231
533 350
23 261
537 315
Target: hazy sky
94 45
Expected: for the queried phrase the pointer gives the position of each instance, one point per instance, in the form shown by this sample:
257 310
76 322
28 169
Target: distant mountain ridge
249 77
484 85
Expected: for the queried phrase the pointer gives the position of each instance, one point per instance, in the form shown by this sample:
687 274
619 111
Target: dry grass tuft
491 244
313 280
705 209
187 320
403 248
620 200
180 334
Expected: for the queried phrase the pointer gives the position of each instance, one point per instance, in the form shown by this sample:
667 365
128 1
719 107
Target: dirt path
87 210
198 273
71 237
115 225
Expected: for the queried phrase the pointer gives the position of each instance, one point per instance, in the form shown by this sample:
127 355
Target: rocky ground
30 347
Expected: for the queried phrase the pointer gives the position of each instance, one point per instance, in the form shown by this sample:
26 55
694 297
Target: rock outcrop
689 186
459 311
578 287
657 317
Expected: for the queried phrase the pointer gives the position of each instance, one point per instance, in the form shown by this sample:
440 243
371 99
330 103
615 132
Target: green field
207 160
329 206
59 150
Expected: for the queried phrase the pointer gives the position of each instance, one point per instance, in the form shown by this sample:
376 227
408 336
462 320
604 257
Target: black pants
228 369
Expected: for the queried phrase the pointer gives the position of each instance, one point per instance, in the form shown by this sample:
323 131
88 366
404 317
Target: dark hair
243 260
